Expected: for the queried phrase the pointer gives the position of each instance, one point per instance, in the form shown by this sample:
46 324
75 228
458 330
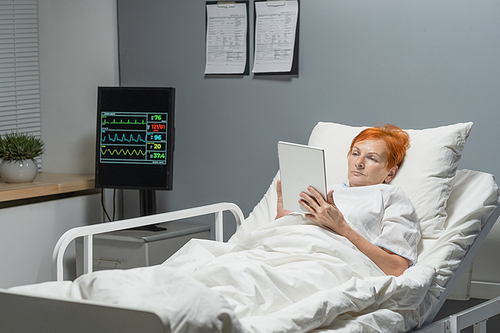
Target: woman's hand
280 211
328 216
323 212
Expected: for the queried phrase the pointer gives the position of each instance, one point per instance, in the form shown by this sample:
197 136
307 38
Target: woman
377 218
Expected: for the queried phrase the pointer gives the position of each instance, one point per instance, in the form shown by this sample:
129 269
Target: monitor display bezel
136 100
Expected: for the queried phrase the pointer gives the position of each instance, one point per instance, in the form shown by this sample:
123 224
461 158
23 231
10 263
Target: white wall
29 233
78 52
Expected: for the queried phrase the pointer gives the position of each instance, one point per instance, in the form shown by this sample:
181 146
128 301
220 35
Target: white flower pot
19 171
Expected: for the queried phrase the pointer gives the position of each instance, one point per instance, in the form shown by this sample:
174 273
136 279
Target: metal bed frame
87 232
475 316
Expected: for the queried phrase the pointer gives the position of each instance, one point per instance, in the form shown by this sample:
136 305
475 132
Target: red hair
396 140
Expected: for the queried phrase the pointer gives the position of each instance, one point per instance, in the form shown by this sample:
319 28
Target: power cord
104 207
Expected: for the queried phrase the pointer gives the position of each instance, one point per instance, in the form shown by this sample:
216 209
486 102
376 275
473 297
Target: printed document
226 44
275 26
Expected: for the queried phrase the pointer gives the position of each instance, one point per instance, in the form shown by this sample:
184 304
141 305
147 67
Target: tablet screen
300 167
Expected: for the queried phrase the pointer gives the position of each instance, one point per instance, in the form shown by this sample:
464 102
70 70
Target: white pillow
426 174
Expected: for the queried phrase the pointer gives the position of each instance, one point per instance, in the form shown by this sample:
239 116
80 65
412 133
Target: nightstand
138 248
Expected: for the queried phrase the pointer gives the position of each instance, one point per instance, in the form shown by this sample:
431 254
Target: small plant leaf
20 146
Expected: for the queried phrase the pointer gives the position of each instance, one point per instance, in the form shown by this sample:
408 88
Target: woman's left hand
323 212
280 210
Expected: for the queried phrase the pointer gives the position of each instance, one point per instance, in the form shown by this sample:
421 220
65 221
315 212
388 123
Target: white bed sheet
287 276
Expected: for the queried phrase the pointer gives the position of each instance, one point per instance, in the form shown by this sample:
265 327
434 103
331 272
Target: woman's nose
359 162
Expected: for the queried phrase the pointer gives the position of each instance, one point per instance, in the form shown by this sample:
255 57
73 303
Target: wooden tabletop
45 184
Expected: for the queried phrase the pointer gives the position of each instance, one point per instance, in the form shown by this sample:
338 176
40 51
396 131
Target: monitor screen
135 138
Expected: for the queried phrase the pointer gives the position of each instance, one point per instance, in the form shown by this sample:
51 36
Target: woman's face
367 164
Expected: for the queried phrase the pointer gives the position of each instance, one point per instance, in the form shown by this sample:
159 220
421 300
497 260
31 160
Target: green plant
20 146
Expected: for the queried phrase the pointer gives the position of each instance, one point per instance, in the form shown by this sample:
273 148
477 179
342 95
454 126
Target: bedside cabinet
138 248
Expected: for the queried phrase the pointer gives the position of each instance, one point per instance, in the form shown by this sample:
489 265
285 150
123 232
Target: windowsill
46 184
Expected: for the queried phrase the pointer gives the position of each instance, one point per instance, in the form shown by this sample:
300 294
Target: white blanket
287 276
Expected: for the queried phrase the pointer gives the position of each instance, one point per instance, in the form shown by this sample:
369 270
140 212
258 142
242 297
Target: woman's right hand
280 210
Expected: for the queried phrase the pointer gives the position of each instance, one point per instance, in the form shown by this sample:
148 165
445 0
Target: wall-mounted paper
226 43
275 28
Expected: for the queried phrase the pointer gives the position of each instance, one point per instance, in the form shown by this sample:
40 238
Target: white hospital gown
382 214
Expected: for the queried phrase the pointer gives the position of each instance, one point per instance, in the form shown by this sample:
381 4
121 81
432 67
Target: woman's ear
392 173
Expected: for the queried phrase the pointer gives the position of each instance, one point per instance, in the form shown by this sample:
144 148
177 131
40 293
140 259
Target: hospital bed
456 209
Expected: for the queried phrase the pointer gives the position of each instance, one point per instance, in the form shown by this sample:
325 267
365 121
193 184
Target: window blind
19 74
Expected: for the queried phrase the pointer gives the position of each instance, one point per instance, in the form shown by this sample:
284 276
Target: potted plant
17 151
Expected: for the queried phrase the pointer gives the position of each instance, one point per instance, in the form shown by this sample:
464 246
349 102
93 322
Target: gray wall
414 63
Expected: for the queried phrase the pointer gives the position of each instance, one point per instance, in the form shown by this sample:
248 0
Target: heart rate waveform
123 137
124 122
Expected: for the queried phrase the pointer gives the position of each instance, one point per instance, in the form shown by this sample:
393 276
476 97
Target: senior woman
376 217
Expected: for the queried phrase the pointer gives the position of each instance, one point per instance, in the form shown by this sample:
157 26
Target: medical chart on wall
276 36
227 38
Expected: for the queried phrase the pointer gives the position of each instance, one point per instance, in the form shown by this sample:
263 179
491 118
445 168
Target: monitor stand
148 207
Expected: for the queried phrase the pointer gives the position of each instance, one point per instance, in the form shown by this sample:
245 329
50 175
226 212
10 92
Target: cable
114 203
104 208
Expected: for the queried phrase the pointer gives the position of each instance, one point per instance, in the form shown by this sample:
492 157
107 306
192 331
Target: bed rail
475 316
464 264
88 231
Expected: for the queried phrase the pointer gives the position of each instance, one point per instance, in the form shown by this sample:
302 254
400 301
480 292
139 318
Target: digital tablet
300 167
